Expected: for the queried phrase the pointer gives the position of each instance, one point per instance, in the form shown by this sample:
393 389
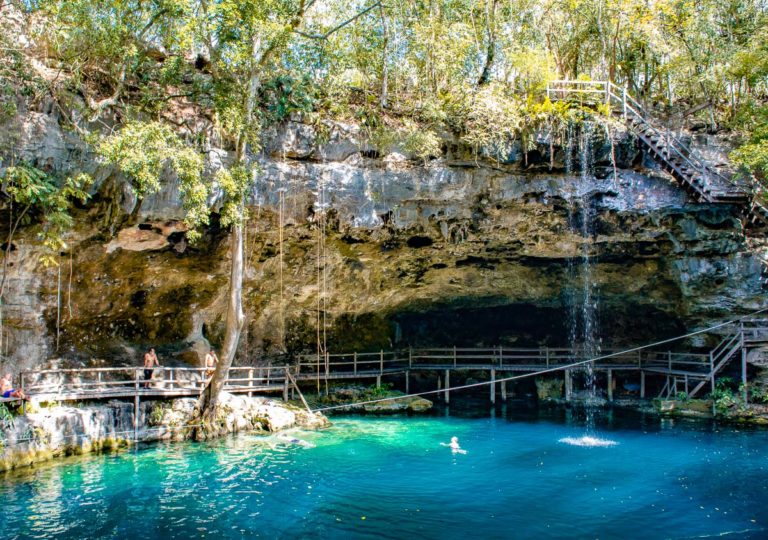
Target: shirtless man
150 361
7 390
210 363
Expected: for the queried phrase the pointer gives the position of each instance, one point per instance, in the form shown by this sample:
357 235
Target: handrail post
669 358
624 101
546 355
354 362
410 357
21 387
454 356
170 378
285 383
381 361
501 355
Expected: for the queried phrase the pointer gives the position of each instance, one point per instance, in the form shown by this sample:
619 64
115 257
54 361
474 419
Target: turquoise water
390 478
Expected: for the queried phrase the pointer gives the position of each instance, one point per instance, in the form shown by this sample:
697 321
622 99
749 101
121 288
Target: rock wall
379 250
59 431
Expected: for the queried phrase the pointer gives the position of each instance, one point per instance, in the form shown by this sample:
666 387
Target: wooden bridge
695 175
682 372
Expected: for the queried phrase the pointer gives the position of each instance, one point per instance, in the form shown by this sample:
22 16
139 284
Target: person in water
7 390
454 446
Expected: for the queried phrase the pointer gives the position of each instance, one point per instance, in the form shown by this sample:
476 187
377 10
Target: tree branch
339 26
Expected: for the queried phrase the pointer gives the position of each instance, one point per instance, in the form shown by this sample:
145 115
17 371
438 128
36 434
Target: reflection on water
526 471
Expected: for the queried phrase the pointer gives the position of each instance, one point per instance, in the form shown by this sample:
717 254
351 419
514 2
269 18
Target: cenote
389 477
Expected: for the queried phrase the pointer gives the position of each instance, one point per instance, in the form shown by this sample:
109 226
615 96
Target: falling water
581 296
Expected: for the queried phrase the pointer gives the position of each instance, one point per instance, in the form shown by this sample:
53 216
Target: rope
547 370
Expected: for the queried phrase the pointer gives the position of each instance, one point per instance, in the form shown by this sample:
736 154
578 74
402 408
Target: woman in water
454 446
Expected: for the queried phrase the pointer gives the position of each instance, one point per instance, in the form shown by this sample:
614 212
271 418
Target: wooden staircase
694 174
746 335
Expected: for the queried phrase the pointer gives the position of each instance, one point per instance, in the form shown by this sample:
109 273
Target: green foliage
758 394
283 95
421 142
724 396
493 122
235 182
156 414
752 158
39 199
374 392
6 418
144 151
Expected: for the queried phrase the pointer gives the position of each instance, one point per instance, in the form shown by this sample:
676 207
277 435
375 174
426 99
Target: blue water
390 478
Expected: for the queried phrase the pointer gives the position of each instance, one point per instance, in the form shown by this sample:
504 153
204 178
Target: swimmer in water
293 440
454 446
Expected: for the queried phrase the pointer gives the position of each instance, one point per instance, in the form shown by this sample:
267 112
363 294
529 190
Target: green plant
6 418
156 415
682 397
377 392
724 396
758 394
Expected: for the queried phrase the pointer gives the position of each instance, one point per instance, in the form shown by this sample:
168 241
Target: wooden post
285 384
568 385
381 361
454 356
136 409
546 354
21 387
447 385
712 371
378 381
410 357
250 382
407 381
136 404
686 384
170 378
745 393
624 101
504 391
493 386
610 385
354 362
642 384
501 356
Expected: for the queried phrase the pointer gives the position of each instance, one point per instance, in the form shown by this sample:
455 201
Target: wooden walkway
688 372
682 372
695 175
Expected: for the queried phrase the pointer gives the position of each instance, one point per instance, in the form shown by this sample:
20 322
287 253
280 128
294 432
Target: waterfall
581 297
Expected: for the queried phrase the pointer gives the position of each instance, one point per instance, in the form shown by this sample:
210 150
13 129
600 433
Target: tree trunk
384 66
490 53
235 321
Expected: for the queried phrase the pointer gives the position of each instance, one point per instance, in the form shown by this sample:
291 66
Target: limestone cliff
382 249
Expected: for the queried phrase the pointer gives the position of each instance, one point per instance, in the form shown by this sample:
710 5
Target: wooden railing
674 151
79 383
501 358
